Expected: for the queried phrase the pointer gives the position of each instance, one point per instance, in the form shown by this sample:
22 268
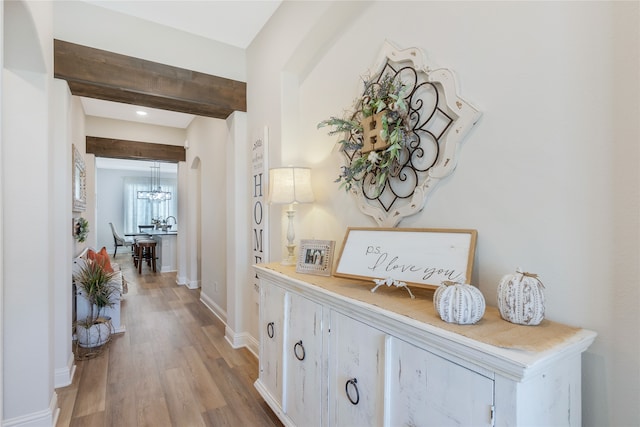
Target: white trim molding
47 417
243 339
64 376
218 311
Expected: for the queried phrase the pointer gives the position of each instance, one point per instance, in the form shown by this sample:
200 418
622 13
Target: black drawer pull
354 383
295 350
270 331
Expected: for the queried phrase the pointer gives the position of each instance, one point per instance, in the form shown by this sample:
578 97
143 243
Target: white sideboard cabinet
328 358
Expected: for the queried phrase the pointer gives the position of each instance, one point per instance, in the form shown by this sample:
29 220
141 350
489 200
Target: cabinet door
271 338
303 361
356 373
427 390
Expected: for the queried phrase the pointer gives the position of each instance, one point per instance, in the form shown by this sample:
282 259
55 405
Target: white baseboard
235 340
64 376
44 418
214 308
243 339
183 281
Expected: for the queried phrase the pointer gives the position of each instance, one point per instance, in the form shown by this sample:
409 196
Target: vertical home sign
259 212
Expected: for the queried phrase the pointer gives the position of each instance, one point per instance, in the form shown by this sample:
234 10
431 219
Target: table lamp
290 185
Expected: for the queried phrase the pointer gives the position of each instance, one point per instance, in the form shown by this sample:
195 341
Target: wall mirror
79 182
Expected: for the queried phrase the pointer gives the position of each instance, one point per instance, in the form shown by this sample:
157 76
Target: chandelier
155 192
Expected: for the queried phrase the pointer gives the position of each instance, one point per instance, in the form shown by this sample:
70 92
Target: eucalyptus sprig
386 93
346 127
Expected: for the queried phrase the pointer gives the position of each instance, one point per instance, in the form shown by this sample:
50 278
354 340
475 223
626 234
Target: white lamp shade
290 185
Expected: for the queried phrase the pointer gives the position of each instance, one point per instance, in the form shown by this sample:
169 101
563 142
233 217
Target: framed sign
418 256
316 257
259 212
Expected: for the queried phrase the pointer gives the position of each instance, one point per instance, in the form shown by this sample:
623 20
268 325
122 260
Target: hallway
172 366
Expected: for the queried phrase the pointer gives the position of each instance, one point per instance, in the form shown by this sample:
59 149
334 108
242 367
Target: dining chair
119 240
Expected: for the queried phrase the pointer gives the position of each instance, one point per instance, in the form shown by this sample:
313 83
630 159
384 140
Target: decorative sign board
419 256
258 195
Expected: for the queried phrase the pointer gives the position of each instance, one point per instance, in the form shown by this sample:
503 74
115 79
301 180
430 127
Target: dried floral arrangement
377 129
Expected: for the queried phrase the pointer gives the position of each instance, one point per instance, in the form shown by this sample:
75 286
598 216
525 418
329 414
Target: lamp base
290 258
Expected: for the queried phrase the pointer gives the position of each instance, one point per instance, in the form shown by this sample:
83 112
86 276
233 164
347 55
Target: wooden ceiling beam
100 74
134 150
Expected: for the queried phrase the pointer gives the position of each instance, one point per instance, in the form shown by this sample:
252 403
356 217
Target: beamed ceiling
101 74
95 73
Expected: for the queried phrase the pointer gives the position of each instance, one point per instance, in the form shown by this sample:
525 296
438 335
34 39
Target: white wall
76 136
69 124
549 176
207 190
28 296
64 361
241 328
2 143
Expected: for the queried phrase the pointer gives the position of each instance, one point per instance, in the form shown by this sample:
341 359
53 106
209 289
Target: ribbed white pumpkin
521 299
459 303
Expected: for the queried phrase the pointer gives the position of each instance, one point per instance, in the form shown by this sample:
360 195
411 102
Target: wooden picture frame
316 257
421 257
79 180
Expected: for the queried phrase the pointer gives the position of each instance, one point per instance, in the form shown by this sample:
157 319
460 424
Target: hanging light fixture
155 192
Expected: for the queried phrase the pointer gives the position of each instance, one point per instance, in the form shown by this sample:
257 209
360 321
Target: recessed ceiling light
141 113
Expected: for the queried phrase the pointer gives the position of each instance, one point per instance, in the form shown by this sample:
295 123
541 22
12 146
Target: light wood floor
172 366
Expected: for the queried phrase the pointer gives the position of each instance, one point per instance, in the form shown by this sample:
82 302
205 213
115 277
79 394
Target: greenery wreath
386 97
81 230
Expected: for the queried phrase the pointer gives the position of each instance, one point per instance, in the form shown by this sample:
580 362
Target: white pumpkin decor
459 303
521 299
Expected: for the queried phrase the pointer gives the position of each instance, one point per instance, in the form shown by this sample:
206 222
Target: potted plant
97 286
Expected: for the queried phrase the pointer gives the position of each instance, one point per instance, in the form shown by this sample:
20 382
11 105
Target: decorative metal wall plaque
403 135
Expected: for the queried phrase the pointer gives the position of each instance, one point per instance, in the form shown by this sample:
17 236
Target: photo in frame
316 257
418 256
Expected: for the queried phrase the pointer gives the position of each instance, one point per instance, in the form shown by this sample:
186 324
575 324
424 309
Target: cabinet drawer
427 390
271 339
303 357
356 373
